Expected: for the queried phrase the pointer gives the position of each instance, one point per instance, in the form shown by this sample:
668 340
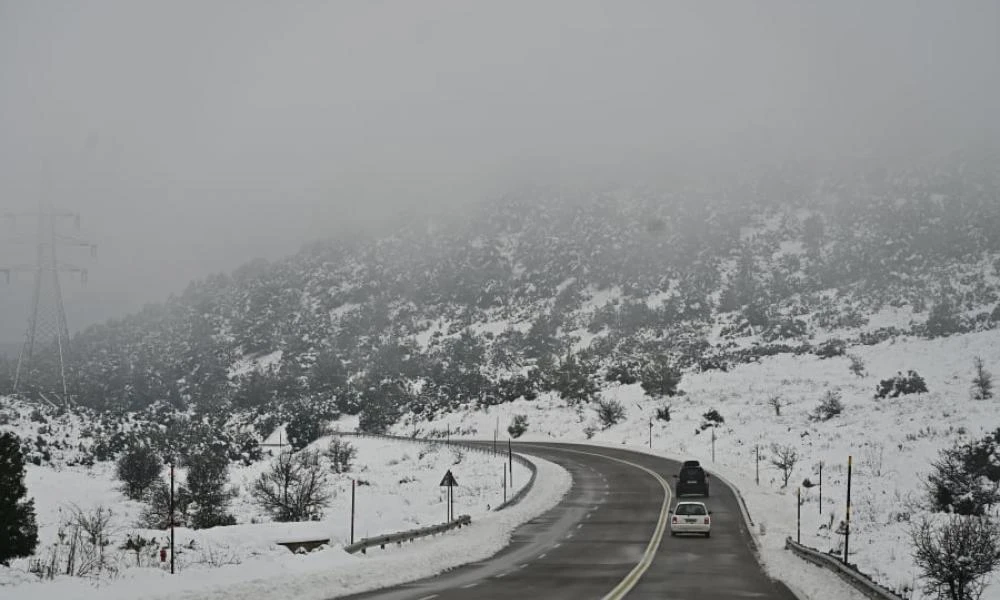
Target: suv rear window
690 509
692 473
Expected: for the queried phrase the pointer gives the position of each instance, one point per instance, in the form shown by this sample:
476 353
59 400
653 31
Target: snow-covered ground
400 491
892 442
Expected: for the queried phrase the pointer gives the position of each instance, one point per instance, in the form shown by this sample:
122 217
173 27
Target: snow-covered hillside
892 441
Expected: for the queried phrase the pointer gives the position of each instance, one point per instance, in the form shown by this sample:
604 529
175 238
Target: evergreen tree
660 378
138 469
207 475
944 319
18 530
572 380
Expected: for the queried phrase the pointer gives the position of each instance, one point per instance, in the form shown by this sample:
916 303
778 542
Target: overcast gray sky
194 136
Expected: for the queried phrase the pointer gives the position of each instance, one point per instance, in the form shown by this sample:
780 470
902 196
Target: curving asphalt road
606 540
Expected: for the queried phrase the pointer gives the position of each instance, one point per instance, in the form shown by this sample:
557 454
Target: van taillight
674 520
708 520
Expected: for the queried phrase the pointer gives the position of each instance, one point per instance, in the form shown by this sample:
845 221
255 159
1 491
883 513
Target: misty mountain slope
490 304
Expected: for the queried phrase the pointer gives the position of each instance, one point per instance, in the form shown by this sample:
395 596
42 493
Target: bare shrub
80 549
294 489
857 365
776 403
341 454
784 458
829 407
956 556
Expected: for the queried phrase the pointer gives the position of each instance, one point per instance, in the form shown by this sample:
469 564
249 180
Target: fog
194 136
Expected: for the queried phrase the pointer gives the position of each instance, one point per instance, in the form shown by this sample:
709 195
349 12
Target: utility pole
45 353
847 521
172 519
798 515
354 487
650 434
820 487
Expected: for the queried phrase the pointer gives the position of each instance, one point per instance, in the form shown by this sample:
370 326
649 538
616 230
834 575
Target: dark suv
691 480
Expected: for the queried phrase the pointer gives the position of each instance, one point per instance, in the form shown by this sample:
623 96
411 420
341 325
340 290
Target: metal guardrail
406 536
863 583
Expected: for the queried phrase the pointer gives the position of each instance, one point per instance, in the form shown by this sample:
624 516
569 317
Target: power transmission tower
45 354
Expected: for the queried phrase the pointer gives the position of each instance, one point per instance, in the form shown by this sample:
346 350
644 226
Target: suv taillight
708 520
674 520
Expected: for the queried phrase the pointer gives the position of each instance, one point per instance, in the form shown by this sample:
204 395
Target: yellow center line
626 585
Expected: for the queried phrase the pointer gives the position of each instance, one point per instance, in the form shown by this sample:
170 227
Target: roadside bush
901 385
663 413
610 412
518 426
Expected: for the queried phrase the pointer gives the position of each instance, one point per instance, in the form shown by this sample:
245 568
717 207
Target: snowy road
606 540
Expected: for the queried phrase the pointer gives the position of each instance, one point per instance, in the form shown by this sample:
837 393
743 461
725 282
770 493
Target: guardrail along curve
861 582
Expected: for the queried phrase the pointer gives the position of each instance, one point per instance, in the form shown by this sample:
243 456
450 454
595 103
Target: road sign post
449 481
